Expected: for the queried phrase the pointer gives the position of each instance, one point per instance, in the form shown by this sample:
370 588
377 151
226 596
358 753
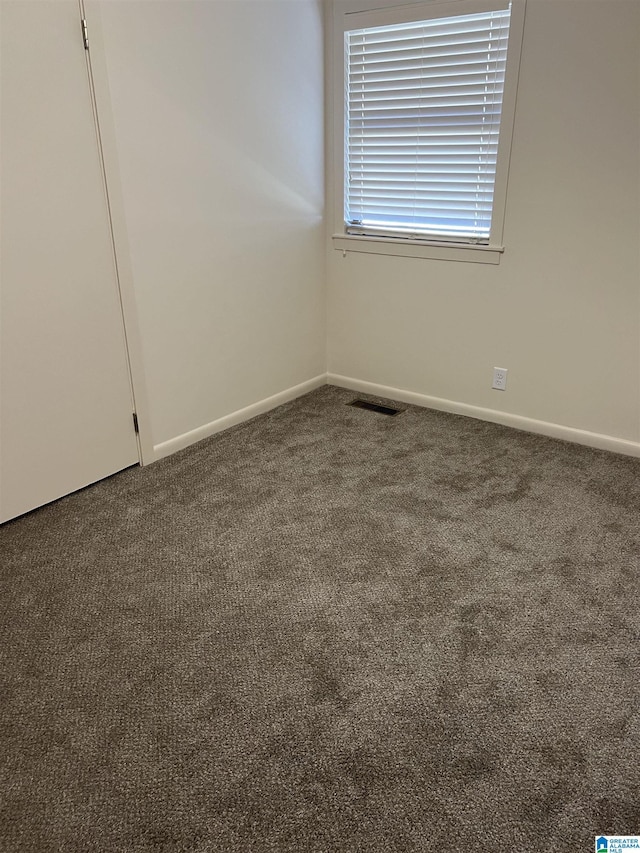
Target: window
429 95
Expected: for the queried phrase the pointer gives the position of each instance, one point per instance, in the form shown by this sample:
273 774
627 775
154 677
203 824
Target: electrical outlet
500 378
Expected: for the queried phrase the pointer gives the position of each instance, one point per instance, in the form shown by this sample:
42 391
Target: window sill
417 249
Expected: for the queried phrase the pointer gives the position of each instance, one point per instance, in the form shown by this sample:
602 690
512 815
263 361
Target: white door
65 392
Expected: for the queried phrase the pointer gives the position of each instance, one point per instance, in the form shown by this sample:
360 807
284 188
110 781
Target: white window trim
385 11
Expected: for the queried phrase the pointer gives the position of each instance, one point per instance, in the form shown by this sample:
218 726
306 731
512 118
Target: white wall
217 111
562 310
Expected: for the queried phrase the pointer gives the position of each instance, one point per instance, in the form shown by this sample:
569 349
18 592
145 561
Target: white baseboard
166 448
577 436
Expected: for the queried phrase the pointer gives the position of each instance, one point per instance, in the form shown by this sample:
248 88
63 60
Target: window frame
356 14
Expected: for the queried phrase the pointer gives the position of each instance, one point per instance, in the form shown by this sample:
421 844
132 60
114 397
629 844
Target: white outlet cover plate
500 378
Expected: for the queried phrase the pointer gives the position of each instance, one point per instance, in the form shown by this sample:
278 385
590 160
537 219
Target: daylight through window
422 119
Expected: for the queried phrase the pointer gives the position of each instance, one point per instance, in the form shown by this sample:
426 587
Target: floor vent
374 407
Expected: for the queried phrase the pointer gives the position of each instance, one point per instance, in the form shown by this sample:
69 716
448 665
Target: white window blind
423 106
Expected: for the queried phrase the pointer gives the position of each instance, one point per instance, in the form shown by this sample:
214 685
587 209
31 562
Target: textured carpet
328 630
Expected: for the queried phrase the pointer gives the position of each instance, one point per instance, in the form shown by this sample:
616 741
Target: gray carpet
328 630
